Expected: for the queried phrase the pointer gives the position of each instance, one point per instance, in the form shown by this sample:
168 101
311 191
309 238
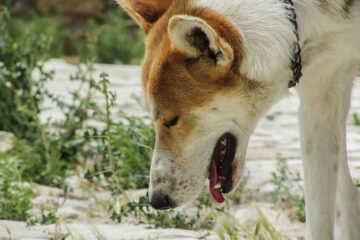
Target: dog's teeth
223 152
222 178
218 186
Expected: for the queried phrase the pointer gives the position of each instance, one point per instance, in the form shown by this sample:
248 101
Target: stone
6 142
18 230
68 213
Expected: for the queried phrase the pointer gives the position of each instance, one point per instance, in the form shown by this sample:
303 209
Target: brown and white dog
213 68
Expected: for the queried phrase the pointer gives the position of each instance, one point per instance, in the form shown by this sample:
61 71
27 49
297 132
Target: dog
213 68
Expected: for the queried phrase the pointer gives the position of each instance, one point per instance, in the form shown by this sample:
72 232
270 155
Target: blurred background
96 29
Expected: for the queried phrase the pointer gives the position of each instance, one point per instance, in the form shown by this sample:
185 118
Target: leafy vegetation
46 152
204 216
288 192
20 54
108 40
356 119
15 195
44 218
263 229
111 41
357 182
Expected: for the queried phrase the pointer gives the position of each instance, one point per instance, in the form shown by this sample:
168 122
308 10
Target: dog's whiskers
242 128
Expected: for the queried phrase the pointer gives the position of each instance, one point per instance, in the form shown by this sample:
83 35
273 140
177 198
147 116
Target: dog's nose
161 201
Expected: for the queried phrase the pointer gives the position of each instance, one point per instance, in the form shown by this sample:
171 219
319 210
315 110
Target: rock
18 230
6 142
126 231
49 191
67 213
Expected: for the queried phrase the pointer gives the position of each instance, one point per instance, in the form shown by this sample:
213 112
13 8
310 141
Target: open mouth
221 167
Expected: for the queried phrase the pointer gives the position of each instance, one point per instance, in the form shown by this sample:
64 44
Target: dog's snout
161 201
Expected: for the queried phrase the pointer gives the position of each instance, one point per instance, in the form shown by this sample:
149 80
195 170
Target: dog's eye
172 122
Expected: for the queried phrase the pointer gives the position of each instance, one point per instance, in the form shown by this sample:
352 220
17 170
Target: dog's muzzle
160 201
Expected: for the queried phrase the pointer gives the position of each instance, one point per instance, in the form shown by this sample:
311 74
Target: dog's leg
322 124
348 202
348 198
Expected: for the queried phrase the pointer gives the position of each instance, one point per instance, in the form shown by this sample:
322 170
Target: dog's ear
194 37
145 12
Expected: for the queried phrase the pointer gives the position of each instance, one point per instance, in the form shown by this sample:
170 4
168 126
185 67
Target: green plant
49 217
15 196
125 146
357 182
239 195
204 215
132 142
98 234
112 41
20 54
228 232
47 150
286 184
47 153
356 119
36 163
263 230
52 27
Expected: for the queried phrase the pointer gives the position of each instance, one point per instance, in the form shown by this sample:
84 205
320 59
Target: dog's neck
269 35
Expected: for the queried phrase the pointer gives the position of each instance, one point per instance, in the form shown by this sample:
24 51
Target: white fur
267 34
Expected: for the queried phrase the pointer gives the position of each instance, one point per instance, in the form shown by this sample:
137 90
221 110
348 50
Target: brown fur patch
176 84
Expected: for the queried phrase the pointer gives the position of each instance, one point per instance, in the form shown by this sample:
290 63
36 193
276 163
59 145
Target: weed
125 146
204 216
239 195
15 196
132 140
228 232
98 234
286 183
20 54
109 39
356 119
45 218
273 116
264 230
112 41
51 27
357 182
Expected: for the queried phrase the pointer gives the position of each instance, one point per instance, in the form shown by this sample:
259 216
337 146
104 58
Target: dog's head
204 108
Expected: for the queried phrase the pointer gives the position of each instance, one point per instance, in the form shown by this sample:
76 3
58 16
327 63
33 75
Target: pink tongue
215 193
